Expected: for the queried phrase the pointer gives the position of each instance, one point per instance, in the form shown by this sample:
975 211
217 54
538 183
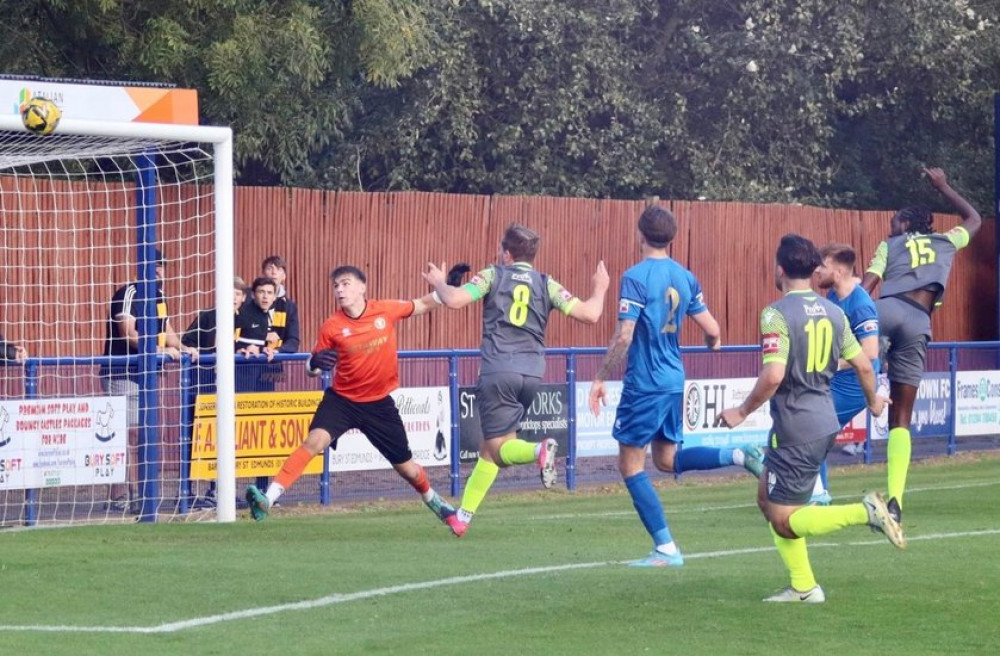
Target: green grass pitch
538 572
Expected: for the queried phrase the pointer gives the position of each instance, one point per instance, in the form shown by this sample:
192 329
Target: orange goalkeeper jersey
367 366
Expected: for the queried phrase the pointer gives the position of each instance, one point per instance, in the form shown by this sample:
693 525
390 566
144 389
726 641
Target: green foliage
763 100
767 100
273 69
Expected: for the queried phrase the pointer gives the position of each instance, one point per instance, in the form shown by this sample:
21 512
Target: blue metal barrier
191 384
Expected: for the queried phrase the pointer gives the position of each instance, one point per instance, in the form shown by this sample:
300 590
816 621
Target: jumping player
913 265
835 276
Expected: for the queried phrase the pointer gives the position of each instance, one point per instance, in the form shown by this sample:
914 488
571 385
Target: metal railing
192 380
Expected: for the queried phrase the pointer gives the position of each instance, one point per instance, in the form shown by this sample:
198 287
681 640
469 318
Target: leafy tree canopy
805 101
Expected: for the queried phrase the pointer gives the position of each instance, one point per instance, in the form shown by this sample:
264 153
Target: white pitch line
737 506
334 599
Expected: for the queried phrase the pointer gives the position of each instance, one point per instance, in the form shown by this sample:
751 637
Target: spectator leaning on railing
11 352
122 338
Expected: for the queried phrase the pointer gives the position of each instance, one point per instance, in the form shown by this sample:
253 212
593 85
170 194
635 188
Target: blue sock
701 457
822 475
648 505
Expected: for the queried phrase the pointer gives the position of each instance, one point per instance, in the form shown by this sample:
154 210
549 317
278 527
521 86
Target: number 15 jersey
808 334
917 261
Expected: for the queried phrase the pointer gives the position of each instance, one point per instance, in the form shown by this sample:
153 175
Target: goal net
114 237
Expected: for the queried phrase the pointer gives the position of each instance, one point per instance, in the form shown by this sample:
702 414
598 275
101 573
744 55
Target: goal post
87 210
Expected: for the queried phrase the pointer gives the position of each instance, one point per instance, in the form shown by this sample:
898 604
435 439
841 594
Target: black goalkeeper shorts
378 420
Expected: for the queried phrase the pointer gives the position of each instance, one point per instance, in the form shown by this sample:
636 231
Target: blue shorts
848 397
645 416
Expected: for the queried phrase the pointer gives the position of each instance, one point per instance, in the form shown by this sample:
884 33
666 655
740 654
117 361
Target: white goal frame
221 139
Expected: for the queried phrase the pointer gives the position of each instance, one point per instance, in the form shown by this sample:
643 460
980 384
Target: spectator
285 316
200 334
127 307
282 331
10 352
254 334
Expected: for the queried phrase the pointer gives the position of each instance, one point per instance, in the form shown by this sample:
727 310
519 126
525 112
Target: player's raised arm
444 293
590 311
971 220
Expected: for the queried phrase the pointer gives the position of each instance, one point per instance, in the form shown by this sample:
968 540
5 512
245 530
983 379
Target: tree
275 70
767 100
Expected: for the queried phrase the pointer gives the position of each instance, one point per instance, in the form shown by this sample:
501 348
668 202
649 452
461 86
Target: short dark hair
348 270
276 260
798 256
521 242
918 219
840 253
260 281
658 225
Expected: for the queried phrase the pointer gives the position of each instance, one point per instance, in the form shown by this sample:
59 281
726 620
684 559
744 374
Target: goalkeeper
359 341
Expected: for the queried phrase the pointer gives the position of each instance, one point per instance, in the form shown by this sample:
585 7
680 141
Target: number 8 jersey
517 301
808 334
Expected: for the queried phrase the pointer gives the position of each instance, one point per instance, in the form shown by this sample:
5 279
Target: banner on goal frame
104 102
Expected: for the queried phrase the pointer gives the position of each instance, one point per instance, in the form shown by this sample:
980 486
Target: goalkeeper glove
456 273
323 360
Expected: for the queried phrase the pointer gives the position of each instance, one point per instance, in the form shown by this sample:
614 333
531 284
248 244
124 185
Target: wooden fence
62 266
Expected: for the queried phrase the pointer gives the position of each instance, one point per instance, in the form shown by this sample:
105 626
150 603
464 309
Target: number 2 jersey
808 334
657 293
517 301
914 261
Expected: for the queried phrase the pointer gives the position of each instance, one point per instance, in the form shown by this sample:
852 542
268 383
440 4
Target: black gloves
323 360
456 273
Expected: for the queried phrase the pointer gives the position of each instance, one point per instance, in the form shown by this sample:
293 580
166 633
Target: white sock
428 495
464 515
739 457
538 448
818 486
273 492
670 548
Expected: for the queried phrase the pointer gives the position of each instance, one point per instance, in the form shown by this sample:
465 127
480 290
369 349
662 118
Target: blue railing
192 381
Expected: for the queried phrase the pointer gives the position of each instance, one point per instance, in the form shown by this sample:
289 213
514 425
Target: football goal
114 235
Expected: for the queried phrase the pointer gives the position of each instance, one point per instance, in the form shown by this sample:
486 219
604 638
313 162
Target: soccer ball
40 115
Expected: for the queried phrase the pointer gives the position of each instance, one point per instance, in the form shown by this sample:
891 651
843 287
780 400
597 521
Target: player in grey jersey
913 264
802 337
517 301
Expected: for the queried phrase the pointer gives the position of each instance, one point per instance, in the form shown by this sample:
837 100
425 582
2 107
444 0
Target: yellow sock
811 521
478 485
517 452
898 455
793 553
